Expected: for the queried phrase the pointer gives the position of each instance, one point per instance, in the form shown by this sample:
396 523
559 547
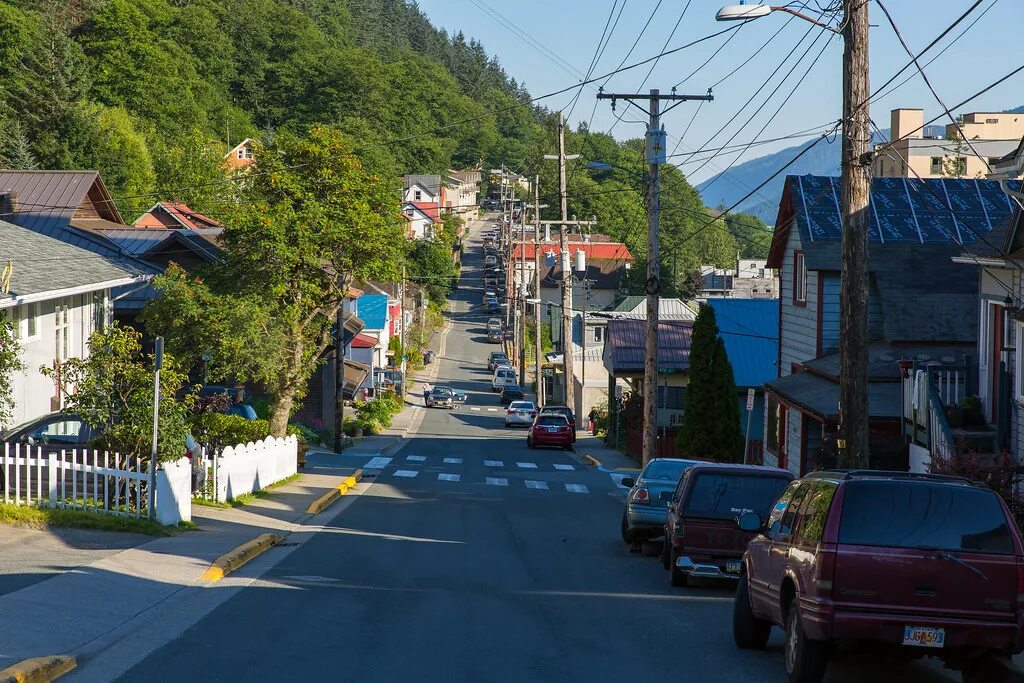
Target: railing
940 435
77 479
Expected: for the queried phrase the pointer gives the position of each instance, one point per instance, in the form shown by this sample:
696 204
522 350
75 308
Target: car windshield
902 514
666 470
521 405
443 391
719 495
552 420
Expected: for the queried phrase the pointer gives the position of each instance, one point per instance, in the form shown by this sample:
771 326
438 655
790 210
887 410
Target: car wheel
529 443
628 535
675 576
748 632
805 658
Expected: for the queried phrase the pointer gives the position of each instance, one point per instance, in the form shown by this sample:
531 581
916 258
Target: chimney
8 206
906 123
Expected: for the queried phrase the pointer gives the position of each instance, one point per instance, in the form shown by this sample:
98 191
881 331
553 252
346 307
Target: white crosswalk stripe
540 485
563 467
377 463
527 465
474 409
448 477
492 410
576 488
494 463
406 473
453 461
416 458
497 481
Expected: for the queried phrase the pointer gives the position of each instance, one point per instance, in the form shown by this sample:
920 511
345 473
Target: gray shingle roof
602 273
820 395
431 182
45 264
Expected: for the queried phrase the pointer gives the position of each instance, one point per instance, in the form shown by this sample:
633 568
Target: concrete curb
321 503
38 669
592 460
230 561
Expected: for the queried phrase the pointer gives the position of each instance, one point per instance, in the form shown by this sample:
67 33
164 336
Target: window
99 311
25 319
936 166
418 195
599 334
799 279
727 496
789 518
780 507
1019 358
62 329
816 512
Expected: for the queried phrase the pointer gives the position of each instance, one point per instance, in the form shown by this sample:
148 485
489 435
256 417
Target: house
56 294
749 328
240 156
463 191
319 402
921 305
424 189
420 218
921 151
623 358
751 279
175 216
374 311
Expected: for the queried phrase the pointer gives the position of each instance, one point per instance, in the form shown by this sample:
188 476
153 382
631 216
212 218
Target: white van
503 376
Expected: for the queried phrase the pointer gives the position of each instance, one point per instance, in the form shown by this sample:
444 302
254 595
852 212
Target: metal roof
635 308
432 183
820 395
749 328
373 309
626 341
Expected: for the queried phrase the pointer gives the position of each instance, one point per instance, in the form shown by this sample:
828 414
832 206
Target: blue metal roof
373 309
749 328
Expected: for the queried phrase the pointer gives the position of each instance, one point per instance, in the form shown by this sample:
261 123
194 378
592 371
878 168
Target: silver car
520 413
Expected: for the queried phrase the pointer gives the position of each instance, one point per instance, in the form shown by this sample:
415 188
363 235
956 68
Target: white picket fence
247 468
74 479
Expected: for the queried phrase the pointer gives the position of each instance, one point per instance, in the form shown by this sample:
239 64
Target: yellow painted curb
592 460
38 669
321 503
230 561
626 469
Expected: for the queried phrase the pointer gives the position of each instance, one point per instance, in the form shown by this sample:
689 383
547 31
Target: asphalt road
452 568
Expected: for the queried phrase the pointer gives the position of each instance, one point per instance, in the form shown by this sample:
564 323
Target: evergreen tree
711 419
16 152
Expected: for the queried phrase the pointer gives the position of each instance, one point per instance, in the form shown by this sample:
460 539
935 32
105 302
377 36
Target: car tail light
641 496
825 567
509 411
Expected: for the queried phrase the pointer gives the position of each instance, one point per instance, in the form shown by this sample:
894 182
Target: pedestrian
426 392
592 416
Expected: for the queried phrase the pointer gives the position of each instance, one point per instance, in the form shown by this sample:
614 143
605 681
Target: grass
34 517
246 498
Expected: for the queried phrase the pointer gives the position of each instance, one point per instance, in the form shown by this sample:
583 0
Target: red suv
914 563
701 536
550 429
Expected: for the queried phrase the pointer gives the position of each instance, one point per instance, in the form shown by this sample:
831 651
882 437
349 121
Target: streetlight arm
806 18
749 12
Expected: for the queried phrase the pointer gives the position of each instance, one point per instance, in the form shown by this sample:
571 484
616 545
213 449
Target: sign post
750 414
158 363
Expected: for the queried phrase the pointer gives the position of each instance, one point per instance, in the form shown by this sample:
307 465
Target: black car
511 392
495 359
563 410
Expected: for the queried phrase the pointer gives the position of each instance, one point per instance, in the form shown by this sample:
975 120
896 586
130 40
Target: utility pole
656 155
521 293
339 367
856 187
537 361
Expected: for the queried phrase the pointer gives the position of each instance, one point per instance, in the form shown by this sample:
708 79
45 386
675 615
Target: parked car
701 536
511 392
567 412
916 563
490 260
520 413
496 359
504 375
550 429
441 397
649 496
495 330
492 305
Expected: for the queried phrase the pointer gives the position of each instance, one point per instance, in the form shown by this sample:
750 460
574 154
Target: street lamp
855 206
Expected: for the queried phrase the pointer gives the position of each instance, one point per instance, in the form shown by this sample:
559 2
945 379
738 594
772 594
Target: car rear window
666 470
717 495
902 514
551 420
521 405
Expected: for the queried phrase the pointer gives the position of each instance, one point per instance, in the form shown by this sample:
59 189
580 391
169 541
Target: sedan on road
441 397
496 360
520 413
550 430
649 496
565 411
510 393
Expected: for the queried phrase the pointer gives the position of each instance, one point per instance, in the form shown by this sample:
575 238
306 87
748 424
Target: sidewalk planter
247 468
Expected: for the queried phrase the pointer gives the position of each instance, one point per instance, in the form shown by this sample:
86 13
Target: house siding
830 281
798 324
794 442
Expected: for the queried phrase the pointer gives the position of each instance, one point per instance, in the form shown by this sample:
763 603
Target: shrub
216 430
375 416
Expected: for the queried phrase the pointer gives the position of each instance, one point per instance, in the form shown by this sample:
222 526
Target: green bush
218 430
375 416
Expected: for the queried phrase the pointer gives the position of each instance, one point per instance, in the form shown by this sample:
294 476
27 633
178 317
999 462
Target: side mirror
628 482
750 521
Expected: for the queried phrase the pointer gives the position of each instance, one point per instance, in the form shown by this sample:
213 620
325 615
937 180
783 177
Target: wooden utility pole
856 186
521 293
339 371
537 360
656 155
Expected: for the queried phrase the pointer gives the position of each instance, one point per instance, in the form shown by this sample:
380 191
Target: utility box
656 146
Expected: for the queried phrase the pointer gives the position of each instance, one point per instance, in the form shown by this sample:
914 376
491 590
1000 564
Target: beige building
928 152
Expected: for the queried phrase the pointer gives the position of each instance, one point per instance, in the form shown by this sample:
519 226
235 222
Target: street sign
750 399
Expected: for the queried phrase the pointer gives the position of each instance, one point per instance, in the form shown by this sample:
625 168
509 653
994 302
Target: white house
57 294
419 220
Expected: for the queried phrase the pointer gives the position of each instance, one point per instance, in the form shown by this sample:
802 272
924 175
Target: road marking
492 410
494 463
474 409
453 461
527 465
405 473
563 466
497 481
576 488
377 463
531 484
417 458
447 477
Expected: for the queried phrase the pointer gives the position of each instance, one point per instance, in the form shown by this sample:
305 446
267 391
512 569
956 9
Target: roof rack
886 474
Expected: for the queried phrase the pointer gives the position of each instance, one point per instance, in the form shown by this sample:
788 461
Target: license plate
521 414
922 636
732 566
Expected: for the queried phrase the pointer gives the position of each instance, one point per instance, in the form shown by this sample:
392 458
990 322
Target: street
448 567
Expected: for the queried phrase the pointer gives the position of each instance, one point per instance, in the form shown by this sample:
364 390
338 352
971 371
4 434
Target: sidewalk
610 459
87 609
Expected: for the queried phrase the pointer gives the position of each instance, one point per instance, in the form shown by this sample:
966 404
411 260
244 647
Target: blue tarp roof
373 309
749 328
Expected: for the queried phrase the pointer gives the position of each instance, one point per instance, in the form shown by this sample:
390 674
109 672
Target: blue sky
569 30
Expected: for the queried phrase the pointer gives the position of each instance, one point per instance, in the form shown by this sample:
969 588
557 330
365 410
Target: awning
355 373
353 326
